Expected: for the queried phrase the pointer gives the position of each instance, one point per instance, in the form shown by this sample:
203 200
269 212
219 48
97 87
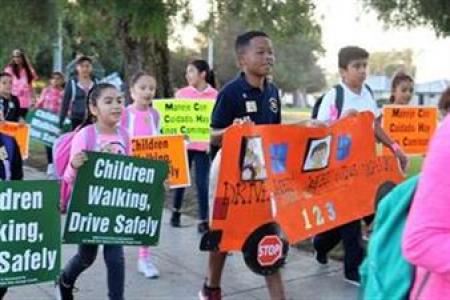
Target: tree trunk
146 54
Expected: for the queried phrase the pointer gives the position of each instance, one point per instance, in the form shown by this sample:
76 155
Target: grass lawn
37 157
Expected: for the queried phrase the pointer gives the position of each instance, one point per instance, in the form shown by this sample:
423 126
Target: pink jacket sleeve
78 145
426 240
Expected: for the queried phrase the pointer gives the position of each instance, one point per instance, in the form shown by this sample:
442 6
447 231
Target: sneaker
146 267
51 172
207 293
63 291
203 227
50 169
175 219
321 258
353 279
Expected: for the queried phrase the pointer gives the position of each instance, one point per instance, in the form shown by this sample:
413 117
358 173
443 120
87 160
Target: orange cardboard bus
281 184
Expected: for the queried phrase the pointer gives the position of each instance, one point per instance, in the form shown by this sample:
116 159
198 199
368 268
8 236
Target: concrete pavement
182 268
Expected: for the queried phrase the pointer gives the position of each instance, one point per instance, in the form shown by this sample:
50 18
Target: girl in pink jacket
426 240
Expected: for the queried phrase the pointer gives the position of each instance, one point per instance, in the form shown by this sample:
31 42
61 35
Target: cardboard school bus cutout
281 184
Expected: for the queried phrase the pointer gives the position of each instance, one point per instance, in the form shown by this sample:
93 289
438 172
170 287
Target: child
140 119
357 98
76 91
201 86
9 104
402 89
23 76
105 109
444 102
51 98
249 98
426 238
10 167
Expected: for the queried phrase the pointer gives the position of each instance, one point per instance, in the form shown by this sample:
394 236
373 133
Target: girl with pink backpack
103 135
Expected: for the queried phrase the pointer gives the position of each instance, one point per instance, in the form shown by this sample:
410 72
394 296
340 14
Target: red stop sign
270 249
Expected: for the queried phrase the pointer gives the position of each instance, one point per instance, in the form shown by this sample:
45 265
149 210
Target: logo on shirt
251 106
273 104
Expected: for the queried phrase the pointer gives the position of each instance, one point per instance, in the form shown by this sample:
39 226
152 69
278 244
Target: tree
295 36
415 12
26 24
140 29
388 63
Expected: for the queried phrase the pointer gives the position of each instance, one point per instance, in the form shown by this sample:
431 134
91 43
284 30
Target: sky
345 22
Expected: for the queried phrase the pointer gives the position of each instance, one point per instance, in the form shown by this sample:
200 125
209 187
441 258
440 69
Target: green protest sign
30 232
44 126
188 117
116 200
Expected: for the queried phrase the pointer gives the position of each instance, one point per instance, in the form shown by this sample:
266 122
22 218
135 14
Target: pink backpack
61 157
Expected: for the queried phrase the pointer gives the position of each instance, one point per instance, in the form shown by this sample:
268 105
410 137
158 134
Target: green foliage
295 36
388 63
26 24
415 12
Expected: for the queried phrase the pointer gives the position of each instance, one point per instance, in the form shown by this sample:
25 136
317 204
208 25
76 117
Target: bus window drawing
278 156
318 154
253 166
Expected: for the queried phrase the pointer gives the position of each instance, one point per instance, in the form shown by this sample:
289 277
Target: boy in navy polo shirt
249 98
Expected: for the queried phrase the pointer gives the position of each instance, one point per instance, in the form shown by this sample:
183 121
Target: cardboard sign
21 132
45 126
116 200
186 117
30 237
410 126
307 180
171 149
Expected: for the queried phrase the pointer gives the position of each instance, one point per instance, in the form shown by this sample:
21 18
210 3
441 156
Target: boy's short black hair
347 54
243 40
82 59
4 74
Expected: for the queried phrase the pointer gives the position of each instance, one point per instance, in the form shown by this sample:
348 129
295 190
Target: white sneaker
51 172
146 267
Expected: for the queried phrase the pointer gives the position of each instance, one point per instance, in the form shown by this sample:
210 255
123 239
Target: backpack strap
156 120
339 99
368 88
74 90
91 136
124 137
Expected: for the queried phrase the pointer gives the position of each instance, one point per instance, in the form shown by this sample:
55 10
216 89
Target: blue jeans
202 163
115 264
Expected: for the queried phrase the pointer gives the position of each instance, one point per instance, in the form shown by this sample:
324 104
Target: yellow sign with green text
191 117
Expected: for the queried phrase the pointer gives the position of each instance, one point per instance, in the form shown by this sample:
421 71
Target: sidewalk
182 268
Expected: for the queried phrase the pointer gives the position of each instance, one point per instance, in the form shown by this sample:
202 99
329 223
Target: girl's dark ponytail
203 66
211 78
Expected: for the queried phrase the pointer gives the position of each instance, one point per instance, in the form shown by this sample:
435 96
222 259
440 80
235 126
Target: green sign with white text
191 117
44 126
30 232
116 200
